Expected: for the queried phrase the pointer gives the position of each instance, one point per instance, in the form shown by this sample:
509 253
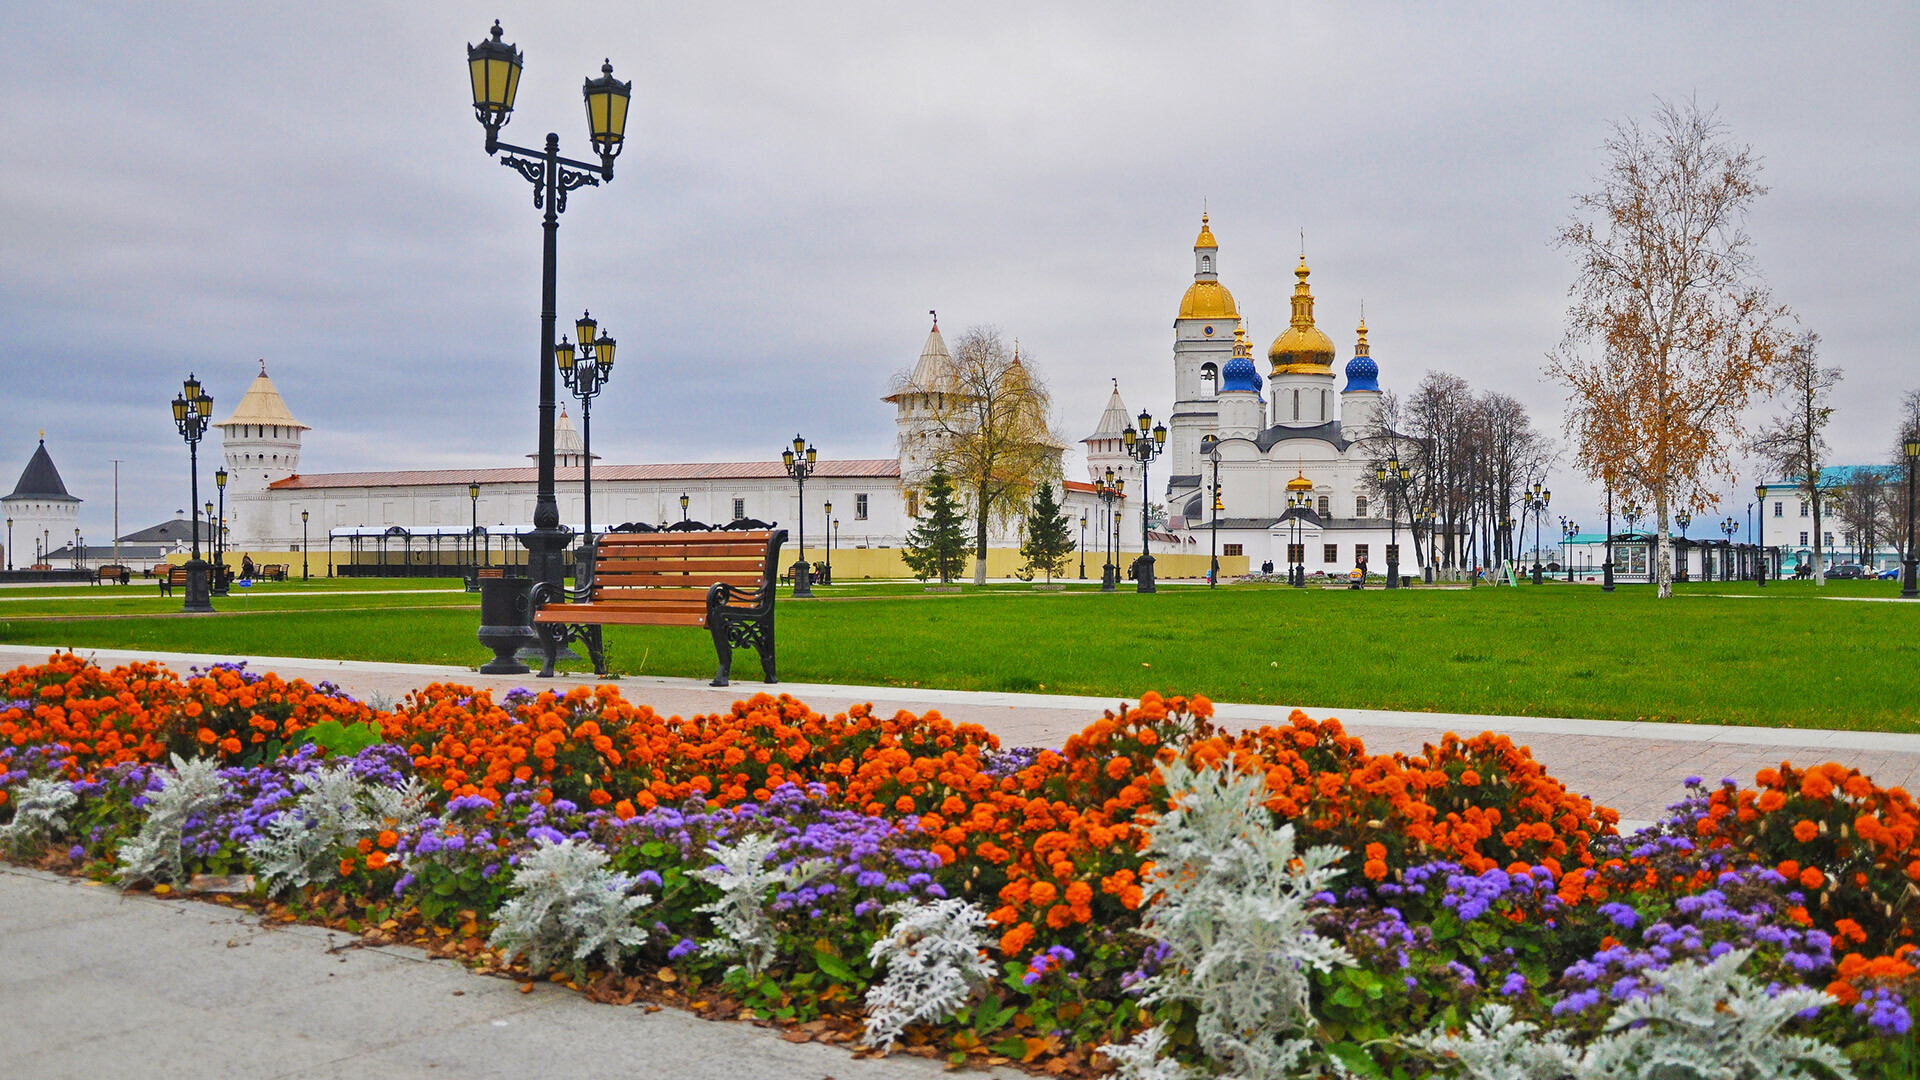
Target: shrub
568 904
40 807
933 962
190 790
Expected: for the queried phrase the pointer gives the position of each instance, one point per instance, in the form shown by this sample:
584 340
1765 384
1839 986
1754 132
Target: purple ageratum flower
683 948
647 877
1515 983
1621 915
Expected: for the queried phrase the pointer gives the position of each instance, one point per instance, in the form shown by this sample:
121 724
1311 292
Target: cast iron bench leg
721 647
765 646
550 646
596 651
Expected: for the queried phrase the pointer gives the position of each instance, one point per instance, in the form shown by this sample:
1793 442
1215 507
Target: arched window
1360 506
1325 507
1296 404
1209 380
1326 400
1206 264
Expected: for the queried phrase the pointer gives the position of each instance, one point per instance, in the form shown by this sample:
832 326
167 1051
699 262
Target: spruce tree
1049 537
937 546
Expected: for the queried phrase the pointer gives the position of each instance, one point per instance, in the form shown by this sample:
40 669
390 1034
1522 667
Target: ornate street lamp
219 585
9 543
192 412
1535 501
1110 492
79 560
827 512
1606 568
1568 530
586 368
1299 510
1910 447
304 574
494 67
1433 549
1143 446
473 527
1683 518
683 507
1392 477
1083 545
1760 573
799 460
1210 446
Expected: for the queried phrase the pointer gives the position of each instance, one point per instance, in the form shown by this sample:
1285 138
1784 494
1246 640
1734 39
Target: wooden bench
272 571
170 578
111 573
721 580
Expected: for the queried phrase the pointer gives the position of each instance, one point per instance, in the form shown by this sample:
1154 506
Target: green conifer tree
1049 537
937 546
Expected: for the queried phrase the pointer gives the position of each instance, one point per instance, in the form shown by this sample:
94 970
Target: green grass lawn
1790 658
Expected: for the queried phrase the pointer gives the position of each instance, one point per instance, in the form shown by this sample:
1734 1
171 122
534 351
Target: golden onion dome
1302 347
1300 483
1206 236
1208 300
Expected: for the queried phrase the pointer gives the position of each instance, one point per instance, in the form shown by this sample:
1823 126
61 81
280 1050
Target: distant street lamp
1536 501
304 574
1210 446
1433 544
1110 492
473 526
683 507
1728 527
1143 446
494 67
1606 568
9 543
586 369
1393 477
1760 573
1567 532
1682 518
220 535
192 412
799 460
79 559
1083 545
1299 503
1910 446
826 509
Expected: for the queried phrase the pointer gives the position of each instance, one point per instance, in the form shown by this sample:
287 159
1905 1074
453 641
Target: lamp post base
1606 577
546 554
199 589
1909 586
1143 574
1539 574
1109 575
1393 573
506 624
802 580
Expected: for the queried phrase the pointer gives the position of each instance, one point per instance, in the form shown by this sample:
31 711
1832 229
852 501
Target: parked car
1847 570
1891 573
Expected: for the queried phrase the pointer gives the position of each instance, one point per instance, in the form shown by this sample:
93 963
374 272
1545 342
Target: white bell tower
261 444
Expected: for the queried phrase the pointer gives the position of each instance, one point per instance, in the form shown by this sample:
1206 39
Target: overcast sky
196 186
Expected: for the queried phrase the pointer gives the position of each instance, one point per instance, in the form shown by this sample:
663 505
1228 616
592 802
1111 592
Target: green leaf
1013 1048
958 1057
1346 998
653 849
1355 1059
833 966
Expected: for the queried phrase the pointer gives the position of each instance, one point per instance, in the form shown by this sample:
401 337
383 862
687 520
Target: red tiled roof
1082 486
694 471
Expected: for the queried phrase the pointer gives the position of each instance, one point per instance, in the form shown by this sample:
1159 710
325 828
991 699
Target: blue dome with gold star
1240 374
1362 372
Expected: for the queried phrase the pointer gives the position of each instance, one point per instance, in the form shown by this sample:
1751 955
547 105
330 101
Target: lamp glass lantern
179 409
494 67
586 326
607 99
1911 446
1160 434
1128 436
191 387
603 353
220 478
473 490
786 458
563 354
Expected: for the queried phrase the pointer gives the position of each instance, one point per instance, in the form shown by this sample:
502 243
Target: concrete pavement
96 984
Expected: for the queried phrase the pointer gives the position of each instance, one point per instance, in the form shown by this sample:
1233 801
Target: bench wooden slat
679 566
641 581
644 539
571 613
642 594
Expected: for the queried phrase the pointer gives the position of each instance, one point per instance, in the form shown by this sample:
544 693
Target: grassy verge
1795 659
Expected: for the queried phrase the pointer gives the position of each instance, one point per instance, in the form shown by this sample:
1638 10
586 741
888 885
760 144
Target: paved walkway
1636 768
96 984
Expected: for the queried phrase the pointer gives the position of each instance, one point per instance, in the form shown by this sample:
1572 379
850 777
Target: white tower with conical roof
41 514
919 401
1202 345
1107 448
261 444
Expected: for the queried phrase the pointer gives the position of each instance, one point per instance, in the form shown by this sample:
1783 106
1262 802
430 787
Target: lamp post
826 511
1298 503
1210 446
494 67
585 369
305 574
78 558
1760 545
1536 501
683 507
1683 518
1083 545
1433 546
1110 492
1143 446
9 543
1909 586
1728 527
1568 530
192 412
219 586
1393 477
799 460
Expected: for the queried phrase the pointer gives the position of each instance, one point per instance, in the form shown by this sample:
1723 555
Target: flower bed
828 871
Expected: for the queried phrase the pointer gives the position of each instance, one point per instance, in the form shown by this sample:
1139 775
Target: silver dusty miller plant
745 928
191 789
335 807
568 904
1705 1022
1230 898
40 809
933 965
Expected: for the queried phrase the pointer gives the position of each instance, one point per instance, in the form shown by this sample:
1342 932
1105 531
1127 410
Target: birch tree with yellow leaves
1672 332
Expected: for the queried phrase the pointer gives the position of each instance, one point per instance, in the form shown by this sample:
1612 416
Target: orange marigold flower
1842 992
346 867
365 845
1789 868
1376 851
1043 893
1015 940
1079 894
230 744
1770 801
1059 917
377 860
1812 878
1767 778
1805 831
1470 778
387 838
1816 785
207 736
1374 869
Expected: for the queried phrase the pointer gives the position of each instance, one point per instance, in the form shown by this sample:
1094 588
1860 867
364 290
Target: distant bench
113 574
169 577
723 581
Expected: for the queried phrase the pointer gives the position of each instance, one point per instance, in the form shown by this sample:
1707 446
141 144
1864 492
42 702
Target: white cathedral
1301 438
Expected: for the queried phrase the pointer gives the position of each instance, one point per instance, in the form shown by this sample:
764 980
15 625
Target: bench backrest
646 566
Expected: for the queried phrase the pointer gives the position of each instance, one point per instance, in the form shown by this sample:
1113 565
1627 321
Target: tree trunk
1664 562
980 537
1819 564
